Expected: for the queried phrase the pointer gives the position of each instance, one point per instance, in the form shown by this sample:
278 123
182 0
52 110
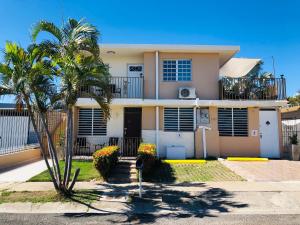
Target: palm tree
27 75
76 52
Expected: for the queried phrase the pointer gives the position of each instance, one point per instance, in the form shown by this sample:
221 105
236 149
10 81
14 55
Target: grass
82 196
212 170
87 172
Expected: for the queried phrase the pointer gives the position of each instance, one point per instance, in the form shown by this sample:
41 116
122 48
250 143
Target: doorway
132 131
269 136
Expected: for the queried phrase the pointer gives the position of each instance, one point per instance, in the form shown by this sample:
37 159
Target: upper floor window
177 70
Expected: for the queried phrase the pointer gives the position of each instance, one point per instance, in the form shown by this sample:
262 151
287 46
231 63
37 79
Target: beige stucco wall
281 148
229 146
212 137
148 118
205 76
18 158
243 146
149 75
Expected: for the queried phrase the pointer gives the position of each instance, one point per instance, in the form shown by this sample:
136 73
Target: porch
120 87
252 88
86 146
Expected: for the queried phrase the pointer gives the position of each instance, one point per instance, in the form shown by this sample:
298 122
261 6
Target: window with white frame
91 122
233 122
177 70
178 119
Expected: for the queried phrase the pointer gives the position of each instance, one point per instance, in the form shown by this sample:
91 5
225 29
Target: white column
157 108
157 130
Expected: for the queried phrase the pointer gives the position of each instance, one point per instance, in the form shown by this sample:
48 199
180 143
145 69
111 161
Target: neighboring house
290 124
16 131
163 93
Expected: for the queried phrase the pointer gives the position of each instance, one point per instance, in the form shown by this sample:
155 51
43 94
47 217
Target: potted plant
295 147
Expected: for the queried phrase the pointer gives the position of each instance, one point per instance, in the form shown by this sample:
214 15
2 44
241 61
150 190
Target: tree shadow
159 202
162 172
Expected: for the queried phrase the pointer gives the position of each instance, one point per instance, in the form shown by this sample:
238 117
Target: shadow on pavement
158 202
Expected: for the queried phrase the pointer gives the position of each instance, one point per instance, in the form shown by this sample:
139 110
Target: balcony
252 88
121 87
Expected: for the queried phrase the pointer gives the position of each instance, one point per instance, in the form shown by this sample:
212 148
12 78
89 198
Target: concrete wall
18 158
205 76
230 146
149 71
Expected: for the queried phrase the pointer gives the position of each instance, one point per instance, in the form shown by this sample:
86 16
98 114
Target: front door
269 136
132 131
134 73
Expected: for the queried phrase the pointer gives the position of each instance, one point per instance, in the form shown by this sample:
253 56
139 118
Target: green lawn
82 196
87 172
177 173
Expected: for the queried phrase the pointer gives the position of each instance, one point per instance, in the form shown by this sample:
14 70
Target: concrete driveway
272 170
23 172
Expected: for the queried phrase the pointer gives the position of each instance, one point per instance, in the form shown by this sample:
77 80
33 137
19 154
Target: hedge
147 152
105 159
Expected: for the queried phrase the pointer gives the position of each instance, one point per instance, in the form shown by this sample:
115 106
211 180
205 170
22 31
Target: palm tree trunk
43 151
69 147
52 150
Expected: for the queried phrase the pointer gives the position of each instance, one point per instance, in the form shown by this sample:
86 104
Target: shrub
105 159
147 152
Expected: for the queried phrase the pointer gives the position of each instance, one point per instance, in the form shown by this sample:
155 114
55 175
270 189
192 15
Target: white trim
172 47
157 130
88 102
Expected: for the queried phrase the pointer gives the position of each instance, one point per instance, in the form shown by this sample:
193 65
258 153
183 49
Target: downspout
157 108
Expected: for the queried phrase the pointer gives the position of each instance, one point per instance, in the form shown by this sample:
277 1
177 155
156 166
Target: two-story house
164 93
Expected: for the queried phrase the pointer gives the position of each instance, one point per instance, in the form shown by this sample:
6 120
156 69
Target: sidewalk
159 199
24 172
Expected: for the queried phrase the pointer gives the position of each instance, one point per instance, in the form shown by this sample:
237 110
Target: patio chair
82 147
114 90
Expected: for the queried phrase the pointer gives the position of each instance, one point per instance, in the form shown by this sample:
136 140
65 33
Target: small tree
27 75
76 52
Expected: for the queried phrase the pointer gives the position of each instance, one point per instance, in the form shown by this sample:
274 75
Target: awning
238 67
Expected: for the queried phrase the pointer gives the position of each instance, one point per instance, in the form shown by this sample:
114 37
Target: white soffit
226 52
238 67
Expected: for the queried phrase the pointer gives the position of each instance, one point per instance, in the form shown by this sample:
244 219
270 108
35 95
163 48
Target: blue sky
262 28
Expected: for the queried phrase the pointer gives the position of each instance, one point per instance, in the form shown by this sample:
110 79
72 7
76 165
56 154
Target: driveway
23 172
272 170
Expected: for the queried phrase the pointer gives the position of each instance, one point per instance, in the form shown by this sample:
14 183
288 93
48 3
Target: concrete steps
124 172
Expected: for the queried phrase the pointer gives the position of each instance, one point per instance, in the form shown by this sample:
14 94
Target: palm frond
44 26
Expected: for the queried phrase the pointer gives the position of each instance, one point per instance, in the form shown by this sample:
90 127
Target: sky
262 28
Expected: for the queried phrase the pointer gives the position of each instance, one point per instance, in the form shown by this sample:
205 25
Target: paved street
93 219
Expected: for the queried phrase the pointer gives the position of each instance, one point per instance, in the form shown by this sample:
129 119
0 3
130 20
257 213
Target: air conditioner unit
186 93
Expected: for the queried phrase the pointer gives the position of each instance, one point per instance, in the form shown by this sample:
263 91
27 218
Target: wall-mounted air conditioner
187 93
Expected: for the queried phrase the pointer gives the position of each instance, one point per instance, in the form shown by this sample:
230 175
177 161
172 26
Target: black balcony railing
252 89
121 87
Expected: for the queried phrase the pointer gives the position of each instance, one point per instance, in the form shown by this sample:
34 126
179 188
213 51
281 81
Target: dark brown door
132 131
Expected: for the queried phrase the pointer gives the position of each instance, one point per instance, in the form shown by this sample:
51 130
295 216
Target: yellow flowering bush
105 159
147 152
